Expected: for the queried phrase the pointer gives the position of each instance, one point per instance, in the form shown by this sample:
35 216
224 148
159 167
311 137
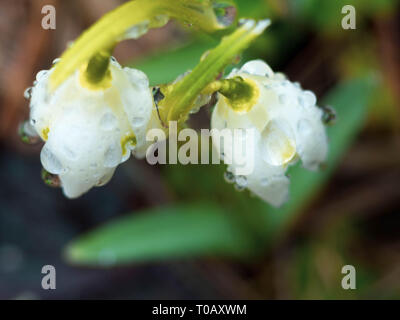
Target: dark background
354 219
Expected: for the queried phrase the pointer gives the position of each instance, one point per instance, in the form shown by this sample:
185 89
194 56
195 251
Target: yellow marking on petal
129 139
288 151
242 98
45 134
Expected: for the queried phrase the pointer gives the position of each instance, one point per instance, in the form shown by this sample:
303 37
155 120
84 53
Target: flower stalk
179 101
116 26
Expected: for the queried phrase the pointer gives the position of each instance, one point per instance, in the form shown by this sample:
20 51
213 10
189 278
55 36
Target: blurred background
208 241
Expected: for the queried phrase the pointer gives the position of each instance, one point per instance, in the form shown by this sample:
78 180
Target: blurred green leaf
165 67
176 231
327 15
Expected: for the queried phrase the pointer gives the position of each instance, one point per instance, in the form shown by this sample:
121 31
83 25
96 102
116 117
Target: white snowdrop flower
287 125
90 131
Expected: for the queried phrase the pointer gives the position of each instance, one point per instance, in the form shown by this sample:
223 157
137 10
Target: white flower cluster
287 125
89 132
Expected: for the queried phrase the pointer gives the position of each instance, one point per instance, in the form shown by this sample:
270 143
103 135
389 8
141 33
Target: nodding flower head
89 131
287 125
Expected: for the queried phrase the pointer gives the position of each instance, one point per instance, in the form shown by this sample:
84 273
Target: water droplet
280 76
28 93
112 58
205 55
309 98
137 30
304 127
108 122
112 156
241 181
278 145
28 133
49 179
229 177
69 153
138 121
41 74
301 101
159 21
201 100
225 13
239 188
283 99
329 115
50 162
57 60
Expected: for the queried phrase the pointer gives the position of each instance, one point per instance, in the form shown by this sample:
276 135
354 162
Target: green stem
180 97
97 67
112 28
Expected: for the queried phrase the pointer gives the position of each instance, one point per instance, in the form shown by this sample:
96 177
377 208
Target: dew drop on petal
50 162
137 30
56 60
41 74
229 177
159 21
108 122
241 181
304 127
278 145
69 153
238 187
112 156
138 122
28 93
309 98
301 101
283 99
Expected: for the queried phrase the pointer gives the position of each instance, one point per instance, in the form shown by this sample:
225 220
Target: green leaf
176 231
166 66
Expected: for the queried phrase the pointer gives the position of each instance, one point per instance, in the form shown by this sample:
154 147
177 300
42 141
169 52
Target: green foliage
175 231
